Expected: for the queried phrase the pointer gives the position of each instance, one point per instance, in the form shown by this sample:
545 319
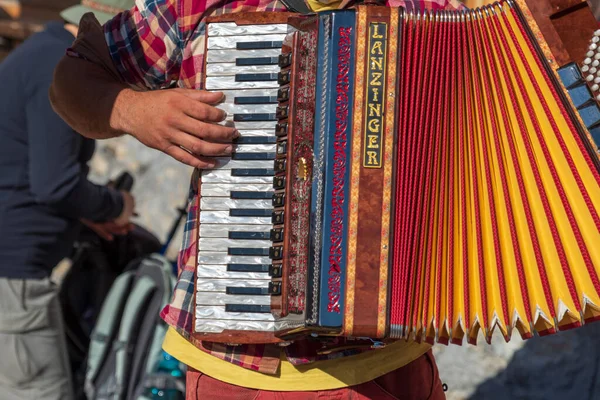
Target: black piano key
590 115
595 132
282 147
279 182
256 140
281 112
248 267
281 129
247 290
275 271
250 235
275 44
276 252
283 94
274 288
258 77
570 75
252 172
252 156
245 251
254 117
276 235
256 100
241 195
581 95
248 308
277 218
280 165
278 199
250 212
257 61
285 60
283 77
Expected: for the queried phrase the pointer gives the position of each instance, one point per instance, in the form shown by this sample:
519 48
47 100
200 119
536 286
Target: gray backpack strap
106 329
131 331
298 6
153 330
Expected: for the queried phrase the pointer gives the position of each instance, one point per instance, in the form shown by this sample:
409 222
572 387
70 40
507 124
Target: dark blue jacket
43 164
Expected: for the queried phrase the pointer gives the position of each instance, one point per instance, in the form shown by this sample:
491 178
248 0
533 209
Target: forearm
90 99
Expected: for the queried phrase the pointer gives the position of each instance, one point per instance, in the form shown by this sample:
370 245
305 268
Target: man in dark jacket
44 196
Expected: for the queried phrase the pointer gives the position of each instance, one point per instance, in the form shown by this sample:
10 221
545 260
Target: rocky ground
563 366
161 183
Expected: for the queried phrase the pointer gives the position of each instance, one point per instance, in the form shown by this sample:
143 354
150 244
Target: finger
207 132
120 231
201 147
104 234
186 158
203 112
203 96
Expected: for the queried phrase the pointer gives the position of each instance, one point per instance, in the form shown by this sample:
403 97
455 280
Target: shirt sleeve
55 172
146 43
142 47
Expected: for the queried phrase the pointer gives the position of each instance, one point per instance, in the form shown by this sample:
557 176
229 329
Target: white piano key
232 29
226 204
218 313
224 190
220 299
221 230
230 95
224 176
210 326
228 82
222 244
256 132
223 217
220 271
212 257
262 125
228 163
217 56
230 42
219 285
255 148
227 69
231 108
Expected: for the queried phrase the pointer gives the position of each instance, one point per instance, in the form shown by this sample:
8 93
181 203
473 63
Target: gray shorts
33 354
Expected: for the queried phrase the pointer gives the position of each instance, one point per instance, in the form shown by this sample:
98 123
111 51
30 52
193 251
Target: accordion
399 174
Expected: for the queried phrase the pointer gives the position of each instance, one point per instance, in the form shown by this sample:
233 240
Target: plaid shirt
159 42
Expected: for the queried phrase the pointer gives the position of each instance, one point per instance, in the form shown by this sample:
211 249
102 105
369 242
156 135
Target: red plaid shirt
159 42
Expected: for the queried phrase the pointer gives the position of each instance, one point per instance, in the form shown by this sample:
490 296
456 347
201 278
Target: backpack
125 346
96 264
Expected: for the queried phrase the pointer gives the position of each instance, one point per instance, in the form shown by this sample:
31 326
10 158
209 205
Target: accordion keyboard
233 282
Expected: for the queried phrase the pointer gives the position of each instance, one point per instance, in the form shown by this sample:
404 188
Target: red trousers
418 380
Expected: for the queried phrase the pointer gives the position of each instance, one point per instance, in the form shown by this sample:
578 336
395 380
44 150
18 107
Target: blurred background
564 366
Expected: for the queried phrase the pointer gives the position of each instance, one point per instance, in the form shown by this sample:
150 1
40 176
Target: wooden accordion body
403 175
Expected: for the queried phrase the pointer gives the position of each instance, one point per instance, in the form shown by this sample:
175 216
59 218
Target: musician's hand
176 119
107 230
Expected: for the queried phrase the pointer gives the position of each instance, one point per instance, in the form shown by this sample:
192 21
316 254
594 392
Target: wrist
122 113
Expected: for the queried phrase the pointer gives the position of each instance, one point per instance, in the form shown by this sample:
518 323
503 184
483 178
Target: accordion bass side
400 174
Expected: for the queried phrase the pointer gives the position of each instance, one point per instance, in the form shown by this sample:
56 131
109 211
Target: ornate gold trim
355 166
